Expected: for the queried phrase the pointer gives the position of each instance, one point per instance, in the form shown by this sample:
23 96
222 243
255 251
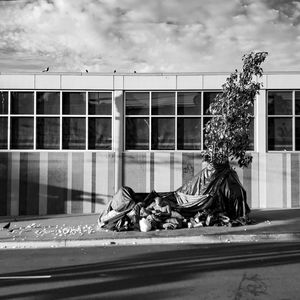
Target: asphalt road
221 271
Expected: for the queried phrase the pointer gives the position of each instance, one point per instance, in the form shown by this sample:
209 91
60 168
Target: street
220 271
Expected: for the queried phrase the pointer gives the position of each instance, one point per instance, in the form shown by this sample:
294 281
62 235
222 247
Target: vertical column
118 132
260 134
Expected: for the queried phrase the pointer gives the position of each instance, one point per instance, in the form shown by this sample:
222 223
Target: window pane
137 103
73 133
163 103
22 103
189 103
208 97
3 103
48 103
74 103
3 133
47 133
100 133
205 120
21 133
100 103
137 133
297 103
189 134
163 134
297 132
280 103
251 137
280 134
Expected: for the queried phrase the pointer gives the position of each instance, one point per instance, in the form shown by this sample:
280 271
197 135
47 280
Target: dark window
137 103
100 103
163 134
3 103
73 133
137 133
74 103
163 103
280 134
208 98
3 133
100 133
189 134
48 103
47 133
22 103
21 133
189 103
280 103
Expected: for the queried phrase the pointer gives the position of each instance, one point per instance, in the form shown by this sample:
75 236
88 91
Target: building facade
68 141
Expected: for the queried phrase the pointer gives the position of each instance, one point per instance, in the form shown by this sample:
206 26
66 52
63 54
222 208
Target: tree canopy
227 132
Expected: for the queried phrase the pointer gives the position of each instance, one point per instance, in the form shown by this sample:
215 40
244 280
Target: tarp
215 195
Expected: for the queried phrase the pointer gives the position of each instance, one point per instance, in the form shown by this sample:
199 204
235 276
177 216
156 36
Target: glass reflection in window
73 133
137 103
163 103
189 134
22 103
3 103
3 133
208 98
73 103
100 133
163 134
48 103
188 103
100 103
21 133
47 133
137 133
280 103
280 134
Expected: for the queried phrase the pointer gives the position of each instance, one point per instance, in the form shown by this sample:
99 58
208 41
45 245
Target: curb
201 239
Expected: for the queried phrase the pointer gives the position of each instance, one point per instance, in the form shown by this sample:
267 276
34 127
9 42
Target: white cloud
143 35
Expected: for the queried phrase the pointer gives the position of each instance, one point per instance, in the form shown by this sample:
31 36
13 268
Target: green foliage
227 133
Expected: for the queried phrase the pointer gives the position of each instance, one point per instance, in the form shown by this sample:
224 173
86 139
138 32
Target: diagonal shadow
150 269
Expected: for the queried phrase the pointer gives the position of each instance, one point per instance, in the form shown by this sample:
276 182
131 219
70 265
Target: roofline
142 74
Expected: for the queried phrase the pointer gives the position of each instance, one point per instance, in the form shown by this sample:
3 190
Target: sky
147 35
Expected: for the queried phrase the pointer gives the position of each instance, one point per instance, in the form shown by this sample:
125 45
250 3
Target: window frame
175 116
292 116
60 116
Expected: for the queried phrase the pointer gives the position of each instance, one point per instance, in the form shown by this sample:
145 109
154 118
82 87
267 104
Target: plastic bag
145 225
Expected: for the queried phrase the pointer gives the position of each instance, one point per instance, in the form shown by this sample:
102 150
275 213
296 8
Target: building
68 141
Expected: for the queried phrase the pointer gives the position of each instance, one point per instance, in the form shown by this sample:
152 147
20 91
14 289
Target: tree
227 132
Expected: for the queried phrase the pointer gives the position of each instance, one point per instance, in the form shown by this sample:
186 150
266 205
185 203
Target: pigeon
6 226
86 71
46 70
115 71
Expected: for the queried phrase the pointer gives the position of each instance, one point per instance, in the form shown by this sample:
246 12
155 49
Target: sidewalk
82 231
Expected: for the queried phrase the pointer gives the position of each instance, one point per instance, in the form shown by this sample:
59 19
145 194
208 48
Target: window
281 116
166 120
22 120
48 120
54 120
283 120
3 119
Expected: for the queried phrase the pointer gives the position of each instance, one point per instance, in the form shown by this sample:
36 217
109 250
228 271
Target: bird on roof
6 226
46 70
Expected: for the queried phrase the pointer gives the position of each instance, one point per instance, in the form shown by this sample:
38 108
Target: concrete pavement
82 231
